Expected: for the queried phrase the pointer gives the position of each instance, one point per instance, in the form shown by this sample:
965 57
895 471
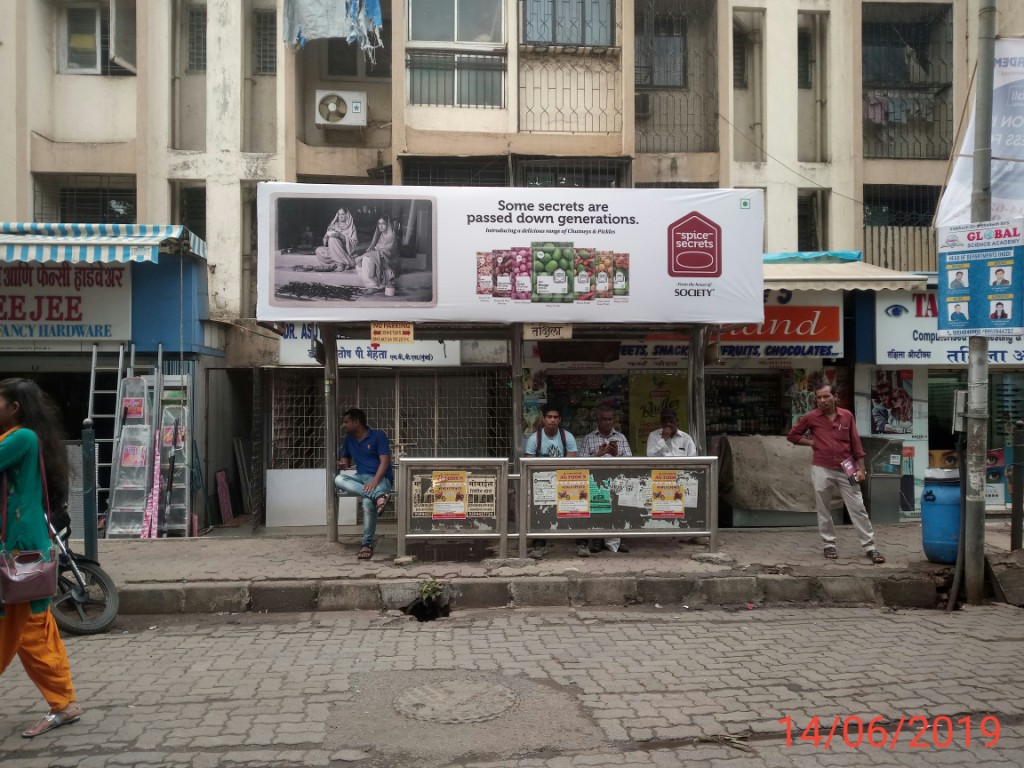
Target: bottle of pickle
620 275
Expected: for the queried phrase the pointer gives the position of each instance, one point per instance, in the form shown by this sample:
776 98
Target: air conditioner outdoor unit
340 109
642 104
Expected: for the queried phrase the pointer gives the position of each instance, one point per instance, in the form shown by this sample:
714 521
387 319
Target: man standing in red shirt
834 438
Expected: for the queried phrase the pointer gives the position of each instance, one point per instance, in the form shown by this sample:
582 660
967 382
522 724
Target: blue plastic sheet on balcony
358 21
817 257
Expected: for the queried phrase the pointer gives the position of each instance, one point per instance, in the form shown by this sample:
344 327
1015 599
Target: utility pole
977 364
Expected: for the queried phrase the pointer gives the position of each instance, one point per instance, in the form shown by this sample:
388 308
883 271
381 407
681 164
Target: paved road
540 689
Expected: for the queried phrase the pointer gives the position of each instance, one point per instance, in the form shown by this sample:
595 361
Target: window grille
803 58
454 79
456 171
264 39
443 413
84 199
677 71
569 22
197 38
677 185
898 205
588 172
740 46
297 419
812 220
660 49
192 202
898 230
907 74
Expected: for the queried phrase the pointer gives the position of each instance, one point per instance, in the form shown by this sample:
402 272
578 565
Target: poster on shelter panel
981 279
330 253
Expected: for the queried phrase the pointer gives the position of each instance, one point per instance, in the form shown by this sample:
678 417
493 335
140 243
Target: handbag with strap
28 575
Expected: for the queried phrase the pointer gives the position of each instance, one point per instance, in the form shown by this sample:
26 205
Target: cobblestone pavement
550 688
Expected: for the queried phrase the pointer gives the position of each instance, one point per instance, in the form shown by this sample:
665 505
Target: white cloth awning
847 276
95 243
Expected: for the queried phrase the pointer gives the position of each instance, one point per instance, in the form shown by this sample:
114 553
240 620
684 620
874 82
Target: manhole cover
456 702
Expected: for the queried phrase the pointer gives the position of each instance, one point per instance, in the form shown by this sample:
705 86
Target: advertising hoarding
332 253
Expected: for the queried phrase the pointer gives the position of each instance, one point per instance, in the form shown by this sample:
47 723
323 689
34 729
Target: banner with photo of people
333 253
981 277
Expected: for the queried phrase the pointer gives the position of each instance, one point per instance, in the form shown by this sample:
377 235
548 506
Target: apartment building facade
171 112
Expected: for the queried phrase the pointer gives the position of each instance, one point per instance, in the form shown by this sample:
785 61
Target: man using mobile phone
603 441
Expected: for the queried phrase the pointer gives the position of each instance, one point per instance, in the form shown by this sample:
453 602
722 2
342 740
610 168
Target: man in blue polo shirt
370 451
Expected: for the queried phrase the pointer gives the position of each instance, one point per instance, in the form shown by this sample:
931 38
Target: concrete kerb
897 590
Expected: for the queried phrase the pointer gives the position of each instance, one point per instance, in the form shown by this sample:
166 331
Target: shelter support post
329 336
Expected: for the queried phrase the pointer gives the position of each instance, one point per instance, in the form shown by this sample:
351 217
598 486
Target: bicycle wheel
88 609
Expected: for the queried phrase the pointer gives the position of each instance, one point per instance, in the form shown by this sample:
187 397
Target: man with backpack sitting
550 441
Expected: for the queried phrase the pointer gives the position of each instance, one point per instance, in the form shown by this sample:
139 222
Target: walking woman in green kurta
28 420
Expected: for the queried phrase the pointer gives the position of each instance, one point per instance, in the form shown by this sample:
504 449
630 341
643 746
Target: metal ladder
105 445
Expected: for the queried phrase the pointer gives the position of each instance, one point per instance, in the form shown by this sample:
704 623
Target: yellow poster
450 493
649 395
391 333
666 495
572 492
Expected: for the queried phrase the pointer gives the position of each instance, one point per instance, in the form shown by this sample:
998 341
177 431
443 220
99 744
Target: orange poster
572 492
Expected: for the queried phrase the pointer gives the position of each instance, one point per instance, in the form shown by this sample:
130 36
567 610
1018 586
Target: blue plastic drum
940 520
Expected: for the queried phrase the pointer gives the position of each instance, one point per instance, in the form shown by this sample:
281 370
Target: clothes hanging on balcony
876 107
358 21
899 108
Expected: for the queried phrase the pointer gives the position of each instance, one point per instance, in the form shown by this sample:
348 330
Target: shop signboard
907 333
981 279
61 307
458 254
800 326
295 348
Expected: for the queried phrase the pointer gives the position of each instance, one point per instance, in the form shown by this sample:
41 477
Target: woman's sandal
831 553
70 714
876 557
382 501
365 553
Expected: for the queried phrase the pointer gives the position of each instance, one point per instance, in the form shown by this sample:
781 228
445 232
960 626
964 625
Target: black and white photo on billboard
354 251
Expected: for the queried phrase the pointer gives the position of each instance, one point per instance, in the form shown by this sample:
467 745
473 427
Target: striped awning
95 243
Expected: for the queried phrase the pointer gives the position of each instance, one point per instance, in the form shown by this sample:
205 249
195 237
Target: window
264 42
90 44
345 59
803 58
812 220
588 172
660 49
569 22
740 42
898 205
456 53
460 80
192 204
455 171
197 38
456 21
84 199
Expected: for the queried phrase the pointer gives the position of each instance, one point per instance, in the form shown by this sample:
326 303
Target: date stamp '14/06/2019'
917 732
